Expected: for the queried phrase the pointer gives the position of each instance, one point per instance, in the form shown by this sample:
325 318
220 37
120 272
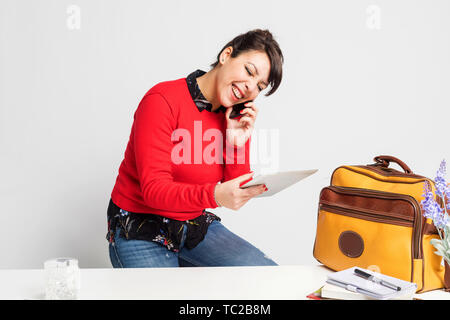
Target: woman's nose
251 86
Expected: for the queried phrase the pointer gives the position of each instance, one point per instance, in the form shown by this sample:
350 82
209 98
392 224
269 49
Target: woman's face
248 73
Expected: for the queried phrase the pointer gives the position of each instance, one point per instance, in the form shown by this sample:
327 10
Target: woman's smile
236 93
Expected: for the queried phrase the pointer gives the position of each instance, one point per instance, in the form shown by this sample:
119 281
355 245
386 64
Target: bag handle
385 160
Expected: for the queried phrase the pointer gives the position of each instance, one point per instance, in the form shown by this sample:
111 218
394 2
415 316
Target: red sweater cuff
211 199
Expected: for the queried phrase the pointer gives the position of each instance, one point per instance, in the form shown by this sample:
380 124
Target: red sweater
151 178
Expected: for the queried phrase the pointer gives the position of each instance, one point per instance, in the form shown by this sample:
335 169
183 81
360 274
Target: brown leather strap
385 160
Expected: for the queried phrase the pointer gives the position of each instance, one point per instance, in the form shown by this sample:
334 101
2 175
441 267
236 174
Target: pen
372 278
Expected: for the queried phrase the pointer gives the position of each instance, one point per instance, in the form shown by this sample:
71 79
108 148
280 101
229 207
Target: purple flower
431 209
447 197
441 184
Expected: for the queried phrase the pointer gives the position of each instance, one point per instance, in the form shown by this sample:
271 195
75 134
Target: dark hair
260 40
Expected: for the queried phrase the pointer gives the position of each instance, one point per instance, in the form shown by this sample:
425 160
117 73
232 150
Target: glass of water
62 279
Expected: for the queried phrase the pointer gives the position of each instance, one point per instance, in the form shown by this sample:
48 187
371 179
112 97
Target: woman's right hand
230 195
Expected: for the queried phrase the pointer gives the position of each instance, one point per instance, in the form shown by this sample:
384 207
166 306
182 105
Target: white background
361 78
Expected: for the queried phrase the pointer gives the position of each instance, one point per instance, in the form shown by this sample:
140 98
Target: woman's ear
226 53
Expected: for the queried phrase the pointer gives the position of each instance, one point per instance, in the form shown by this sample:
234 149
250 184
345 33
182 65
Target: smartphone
237 108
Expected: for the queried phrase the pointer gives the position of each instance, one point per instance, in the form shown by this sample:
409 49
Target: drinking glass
62 279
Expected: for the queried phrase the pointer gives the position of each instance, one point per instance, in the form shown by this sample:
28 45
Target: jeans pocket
113 254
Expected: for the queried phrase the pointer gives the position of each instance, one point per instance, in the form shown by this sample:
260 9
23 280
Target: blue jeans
220 247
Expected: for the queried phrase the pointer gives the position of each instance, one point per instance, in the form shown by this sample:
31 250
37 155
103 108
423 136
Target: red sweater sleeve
236 160
154 122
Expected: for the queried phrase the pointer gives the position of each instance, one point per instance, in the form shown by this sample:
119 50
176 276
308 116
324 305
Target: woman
169 176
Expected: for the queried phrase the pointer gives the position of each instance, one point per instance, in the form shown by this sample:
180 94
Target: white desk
221 283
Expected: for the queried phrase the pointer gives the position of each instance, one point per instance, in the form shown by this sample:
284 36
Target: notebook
347 280
329 291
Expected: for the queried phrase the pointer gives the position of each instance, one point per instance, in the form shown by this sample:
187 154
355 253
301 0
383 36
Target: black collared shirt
167 232
197 95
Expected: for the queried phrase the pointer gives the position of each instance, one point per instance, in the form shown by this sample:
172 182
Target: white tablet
276 182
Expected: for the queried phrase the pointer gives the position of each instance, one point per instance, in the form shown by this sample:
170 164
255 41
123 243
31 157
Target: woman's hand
238 131
230 195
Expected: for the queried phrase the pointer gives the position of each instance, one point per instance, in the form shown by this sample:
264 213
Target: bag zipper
382 173
390 172
377 217
415 223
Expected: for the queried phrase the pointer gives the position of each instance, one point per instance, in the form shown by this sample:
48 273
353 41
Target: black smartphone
237 108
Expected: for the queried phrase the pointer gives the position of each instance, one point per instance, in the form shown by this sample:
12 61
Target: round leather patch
351 244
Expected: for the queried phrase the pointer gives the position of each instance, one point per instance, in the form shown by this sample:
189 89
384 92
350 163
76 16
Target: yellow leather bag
370 216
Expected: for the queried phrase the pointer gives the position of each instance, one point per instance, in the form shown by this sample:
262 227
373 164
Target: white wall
361 78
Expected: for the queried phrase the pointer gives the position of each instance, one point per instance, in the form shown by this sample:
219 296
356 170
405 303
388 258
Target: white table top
212 283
